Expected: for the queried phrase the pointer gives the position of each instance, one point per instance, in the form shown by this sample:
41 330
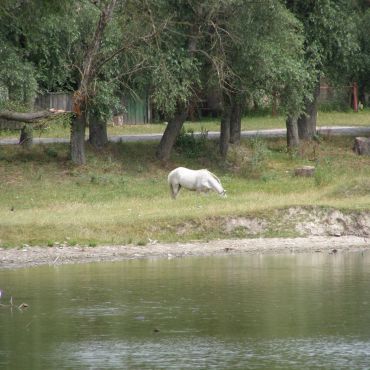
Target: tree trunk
225 134
304 171
292 132
235 119
361 146
98 136
225 126
307 121
362 92
274 105
26 138
170 135
80 97
78 139
175 124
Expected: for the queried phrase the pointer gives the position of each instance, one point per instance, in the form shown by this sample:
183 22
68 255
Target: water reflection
262 311
208 353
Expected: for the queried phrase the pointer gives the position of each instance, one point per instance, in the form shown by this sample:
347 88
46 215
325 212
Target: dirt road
329 130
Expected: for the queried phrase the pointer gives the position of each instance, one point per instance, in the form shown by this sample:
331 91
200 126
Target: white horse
196 180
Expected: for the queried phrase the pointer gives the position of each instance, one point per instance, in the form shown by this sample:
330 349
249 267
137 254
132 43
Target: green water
307 311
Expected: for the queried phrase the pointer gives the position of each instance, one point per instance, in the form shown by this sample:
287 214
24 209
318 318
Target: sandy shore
34 256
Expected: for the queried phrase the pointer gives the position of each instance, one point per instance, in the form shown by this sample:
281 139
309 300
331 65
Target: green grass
121 196
252 122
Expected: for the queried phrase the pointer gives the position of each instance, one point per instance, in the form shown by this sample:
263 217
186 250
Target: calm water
235 312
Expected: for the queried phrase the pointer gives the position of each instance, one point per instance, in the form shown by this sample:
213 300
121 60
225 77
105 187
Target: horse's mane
214 176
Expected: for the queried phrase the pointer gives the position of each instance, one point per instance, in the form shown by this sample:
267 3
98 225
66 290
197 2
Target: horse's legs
173 194
175 188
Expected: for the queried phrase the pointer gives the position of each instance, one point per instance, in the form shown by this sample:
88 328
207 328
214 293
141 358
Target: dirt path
269 133
34 256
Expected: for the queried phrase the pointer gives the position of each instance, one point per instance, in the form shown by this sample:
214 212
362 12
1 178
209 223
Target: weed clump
249 160
191 145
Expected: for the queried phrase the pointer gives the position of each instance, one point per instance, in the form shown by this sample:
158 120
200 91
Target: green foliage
330 36
335 105
190 145
51 50
260 152
104 100
261 53
47 54
324 174
249 160
254 49
36 54
363 59
51 152
17 78
173 77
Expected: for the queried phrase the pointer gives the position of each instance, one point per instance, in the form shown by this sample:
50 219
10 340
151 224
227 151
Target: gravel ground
56 255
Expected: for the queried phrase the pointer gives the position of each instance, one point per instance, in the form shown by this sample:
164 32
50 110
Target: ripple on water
211 353
95 311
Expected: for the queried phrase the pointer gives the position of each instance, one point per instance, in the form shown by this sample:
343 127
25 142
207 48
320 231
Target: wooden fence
136 110
54 100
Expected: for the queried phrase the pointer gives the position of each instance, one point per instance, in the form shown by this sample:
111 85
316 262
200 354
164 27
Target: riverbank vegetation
121 196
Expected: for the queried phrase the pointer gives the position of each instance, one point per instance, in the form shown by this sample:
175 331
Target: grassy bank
121 196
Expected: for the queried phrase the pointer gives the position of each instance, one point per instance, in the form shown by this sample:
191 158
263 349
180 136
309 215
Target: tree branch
29 117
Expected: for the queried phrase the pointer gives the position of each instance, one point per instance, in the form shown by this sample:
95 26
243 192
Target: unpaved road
324 130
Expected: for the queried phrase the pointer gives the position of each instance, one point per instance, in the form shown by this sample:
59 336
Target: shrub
191 145
250 160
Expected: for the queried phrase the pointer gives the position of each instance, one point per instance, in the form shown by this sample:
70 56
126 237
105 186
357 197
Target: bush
249 161
190 145
324 173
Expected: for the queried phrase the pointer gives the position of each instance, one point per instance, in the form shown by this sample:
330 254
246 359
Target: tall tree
247 46
362 72
177 71
59 51
88 72
19 70
262 48
29 62
330 46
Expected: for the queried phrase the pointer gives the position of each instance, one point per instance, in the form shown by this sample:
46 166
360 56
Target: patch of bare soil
319 230
305 222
